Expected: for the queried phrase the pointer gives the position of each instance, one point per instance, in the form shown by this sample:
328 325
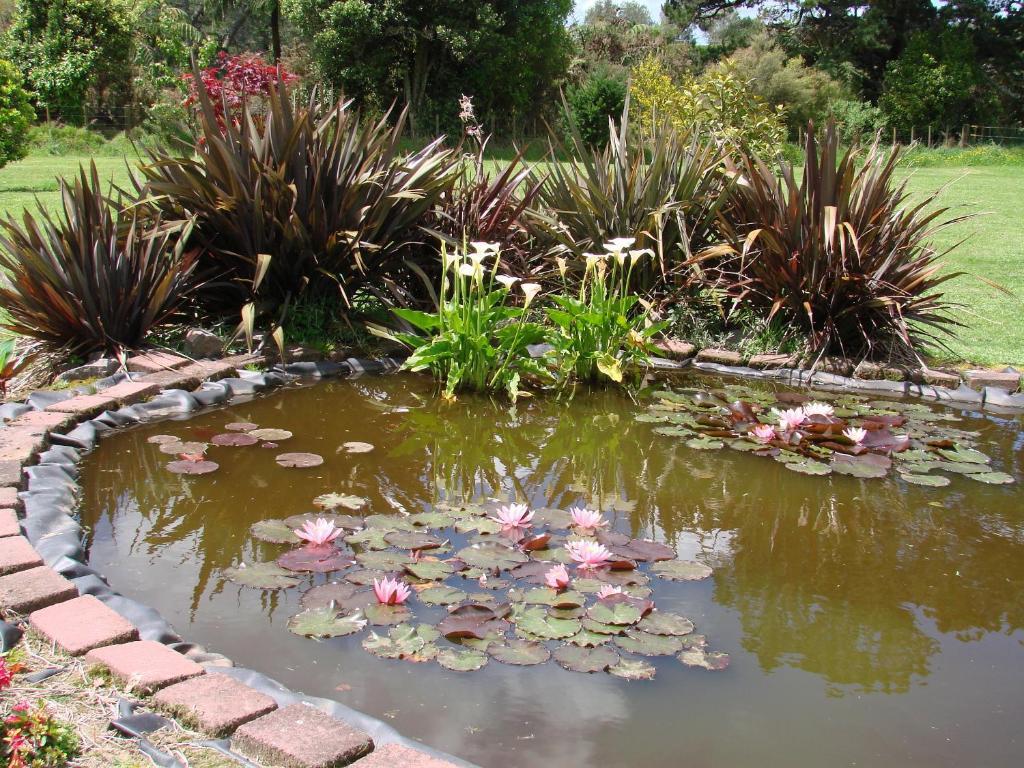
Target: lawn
994 249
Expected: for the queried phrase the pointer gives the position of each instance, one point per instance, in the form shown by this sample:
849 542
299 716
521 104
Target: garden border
46 438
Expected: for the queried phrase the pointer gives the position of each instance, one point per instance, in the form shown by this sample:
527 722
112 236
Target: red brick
9 498
42 421
35 588
940 378
211 371
1007 380
130 392
85 406
674 349
21 445
397 756
773 361
81 624
720 356
183 379
151 362
9 523
144 665
301 736
214 704
16 554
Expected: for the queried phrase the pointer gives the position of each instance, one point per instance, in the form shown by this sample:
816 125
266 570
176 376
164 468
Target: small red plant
30 737
234 80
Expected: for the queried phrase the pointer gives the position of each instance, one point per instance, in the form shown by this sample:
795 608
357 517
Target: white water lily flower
507 280
818 409
619 244
529 291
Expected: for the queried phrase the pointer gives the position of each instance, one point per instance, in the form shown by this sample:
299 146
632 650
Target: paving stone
1008 380
85 406
130 392
872 371
300 736
215 704
9 498
720 356
674 349
21 444
16 554
81 624
11 473
840 366
398 756
26 591
212 370
772 361
144 665
43 421
9 523
940 378
152 362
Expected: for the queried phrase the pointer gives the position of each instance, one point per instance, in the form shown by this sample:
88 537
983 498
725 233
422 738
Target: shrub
33 738
16 114
308 200
854 119
96 277
10 366
662 188
717 103
591 104
841 256
233 81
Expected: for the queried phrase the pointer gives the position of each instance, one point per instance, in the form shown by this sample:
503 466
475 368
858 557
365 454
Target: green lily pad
479 524
681 570
190 467
519 652
413 540
633 669
430 570
963 467
964 455
183 446
261 576
388 523
992 478
355 446
404 642
646 644
435 520
325 622
274 532
704 659
617 613
365 577
382 615
599 628
589 639
461 660
384 560
335 500
809 467
492 557
539 623
369 538
337 594
704 444
270 435
442 595
349 522
551 517
935 481
665 623
299 460
578 658
162 439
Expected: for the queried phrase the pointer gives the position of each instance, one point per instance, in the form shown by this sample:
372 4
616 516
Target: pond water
868 621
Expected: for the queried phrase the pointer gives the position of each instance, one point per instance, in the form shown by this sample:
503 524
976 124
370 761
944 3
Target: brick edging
44 576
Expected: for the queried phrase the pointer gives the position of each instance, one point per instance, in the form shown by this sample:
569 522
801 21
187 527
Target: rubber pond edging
49 523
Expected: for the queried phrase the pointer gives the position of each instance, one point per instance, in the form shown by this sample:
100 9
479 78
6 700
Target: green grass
994 249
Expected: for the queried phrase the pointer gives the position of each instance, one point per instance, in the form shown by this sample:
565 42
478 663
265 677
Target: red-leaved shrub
235 80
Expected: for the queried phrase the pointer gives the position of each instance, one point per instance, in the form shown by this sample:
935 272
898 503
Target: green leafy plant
475 341
10 364
30 737
841 256
664 189
16 114
595 101
96 277
599 334
301 201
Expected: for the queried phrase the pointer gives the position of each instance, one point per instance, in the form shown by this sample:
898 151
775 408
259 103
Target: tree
69 48
632 13
16 114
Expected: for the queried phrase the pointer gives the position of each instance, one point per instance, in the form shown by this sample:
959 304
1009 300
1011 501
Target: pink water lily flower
588 554
790 419
391 591
557 577
318 532
512 517
856 434
607 591
587 519
763 433
818 409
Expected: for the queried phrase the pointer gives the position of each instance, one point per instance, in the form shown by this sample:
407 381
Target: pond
867 621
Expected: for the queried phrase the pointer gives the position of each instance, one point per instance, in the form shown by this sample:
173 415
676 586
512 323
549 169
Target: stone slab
1008 380
16 554
43 421
27 591
21 444
131 392
940 378
772 361
144 665
675 349
81 624
214 704
9 525
9 498
151 362
719 356
300 736
398 756
85 406
11 474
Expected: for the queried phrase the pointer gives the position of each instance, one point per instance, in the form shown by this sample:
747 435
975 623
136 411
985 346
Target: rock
840 366
203 344
875 371
97 369
674 349
772 361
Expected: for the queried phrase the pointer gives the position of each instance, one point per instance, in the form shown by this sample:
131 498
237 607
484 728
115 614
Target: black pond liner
51 525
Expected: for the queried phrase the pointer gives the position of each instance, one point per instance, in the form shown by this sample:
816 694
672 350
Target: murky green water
869 622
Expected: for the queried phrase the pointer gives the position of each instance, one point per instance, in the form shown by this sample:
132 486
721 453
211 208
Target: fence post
963 135
929 137
894 136
911 134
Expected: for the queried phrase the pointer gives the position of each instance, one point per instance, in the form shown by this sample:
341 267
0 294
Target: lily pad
992 478
435 520
185 467
537 622
644 550
404 642
357 447
935 481
335 500
633 669
618 613
382 615
442 595
414 540
430 570
602 629
273 531
519 652
491 557
384 560
704 444
461 660
700 658
965 455
665 623
473 620
261 576
316 559
681 570
336 593
237 439
271 435
349 522
809 467
241 426
325 622
368 538
190 447
299 460
588 639
577 658
161 439
646 644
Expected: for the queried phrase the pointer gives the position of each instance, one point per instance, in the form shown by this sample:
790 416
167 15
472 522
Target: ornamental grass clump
841 256
476 340
96 276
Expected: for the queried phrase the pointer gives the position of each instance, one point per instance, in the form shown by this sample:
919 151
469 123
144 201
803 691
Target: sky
654 6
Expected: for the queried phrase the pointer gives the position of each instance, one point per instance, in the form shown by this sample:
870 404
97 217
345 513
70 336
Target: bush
234 81
661 188
841 257
95 278
718 103
308 201
16 114
855 120
598 99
